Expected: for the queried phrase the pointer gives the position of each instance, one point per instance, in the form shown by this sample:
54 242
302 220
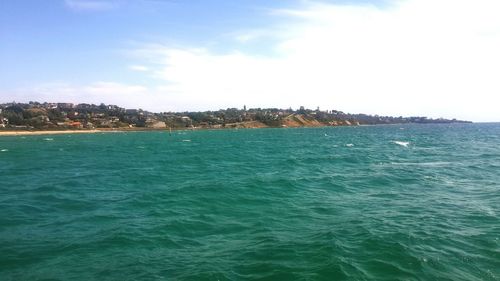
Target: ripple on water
292 204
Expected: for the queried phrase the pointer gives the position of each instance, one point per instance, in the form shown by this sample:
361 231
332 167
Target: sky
435 58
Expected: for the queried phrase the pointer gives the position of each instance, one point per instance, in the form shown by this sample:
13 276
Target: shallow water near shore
403 202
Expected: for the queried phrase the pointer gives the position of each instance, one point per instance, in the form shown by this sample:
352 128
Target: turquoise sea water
404 202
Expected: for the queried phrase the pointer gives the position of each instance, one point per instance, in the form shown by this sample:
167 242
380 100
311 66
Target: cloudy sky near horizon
438 58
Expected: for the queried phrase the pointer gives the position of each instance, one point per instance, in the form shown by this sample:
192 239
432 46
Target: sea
389 202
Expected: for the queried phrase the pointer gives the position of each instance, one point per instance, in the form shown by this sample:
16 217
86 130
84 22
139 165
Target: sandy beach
61 132
240 125
34 133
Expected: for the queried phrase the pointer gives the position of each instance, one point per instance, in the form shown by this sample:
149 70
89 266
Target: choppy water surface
413 202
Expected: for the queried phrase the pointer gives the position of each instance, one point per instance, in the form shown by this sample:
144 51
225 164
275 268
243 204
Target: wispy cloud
438 58
90 5
127 95
113 88
140 68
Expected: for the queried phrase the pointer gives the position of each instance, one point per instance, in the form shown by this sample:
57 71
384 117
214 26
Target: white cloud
111 88
253 35
140 68
436 58
131 96
90 5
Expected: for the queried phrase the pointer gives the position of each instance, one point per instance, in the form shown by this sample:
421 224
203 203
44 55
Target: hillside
48 116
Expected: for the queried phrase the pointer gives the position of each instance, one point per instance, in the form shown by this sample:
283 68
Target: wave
270 204
402 143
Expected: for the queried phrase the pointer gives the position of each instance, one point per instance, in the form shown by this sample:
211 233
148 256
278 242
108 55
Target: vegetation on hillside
35 115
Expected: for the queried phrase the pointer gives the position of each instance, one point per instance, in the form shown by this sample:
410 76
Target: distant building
77 125
65 105
50 105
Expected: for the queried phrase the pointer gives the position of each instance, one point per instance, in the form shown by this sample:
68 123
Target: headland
36 118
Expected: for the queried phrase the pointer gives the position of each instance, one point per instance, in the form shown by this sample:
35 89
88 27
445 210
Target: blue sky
401 57
85 40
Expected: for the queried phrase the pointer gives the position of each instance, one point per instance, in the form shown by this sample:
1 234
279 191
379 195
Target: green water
345 203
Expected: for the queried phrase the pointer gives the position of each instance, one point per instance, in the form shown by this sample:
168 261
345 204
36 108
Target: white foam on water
186 140
4 150
48 139
449 182
402 143
349 145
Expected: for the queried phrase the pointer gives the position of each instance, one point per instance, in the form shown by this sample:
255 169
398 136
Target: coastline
36 133
82 131
4 133
124 130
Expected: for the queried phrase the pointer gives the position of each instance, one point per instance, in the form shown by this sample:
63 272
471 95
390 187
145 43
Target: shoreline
83 131
36 133
125 130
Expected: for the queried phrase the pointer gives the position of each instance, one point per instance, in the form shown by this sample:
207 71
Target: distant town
65 116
